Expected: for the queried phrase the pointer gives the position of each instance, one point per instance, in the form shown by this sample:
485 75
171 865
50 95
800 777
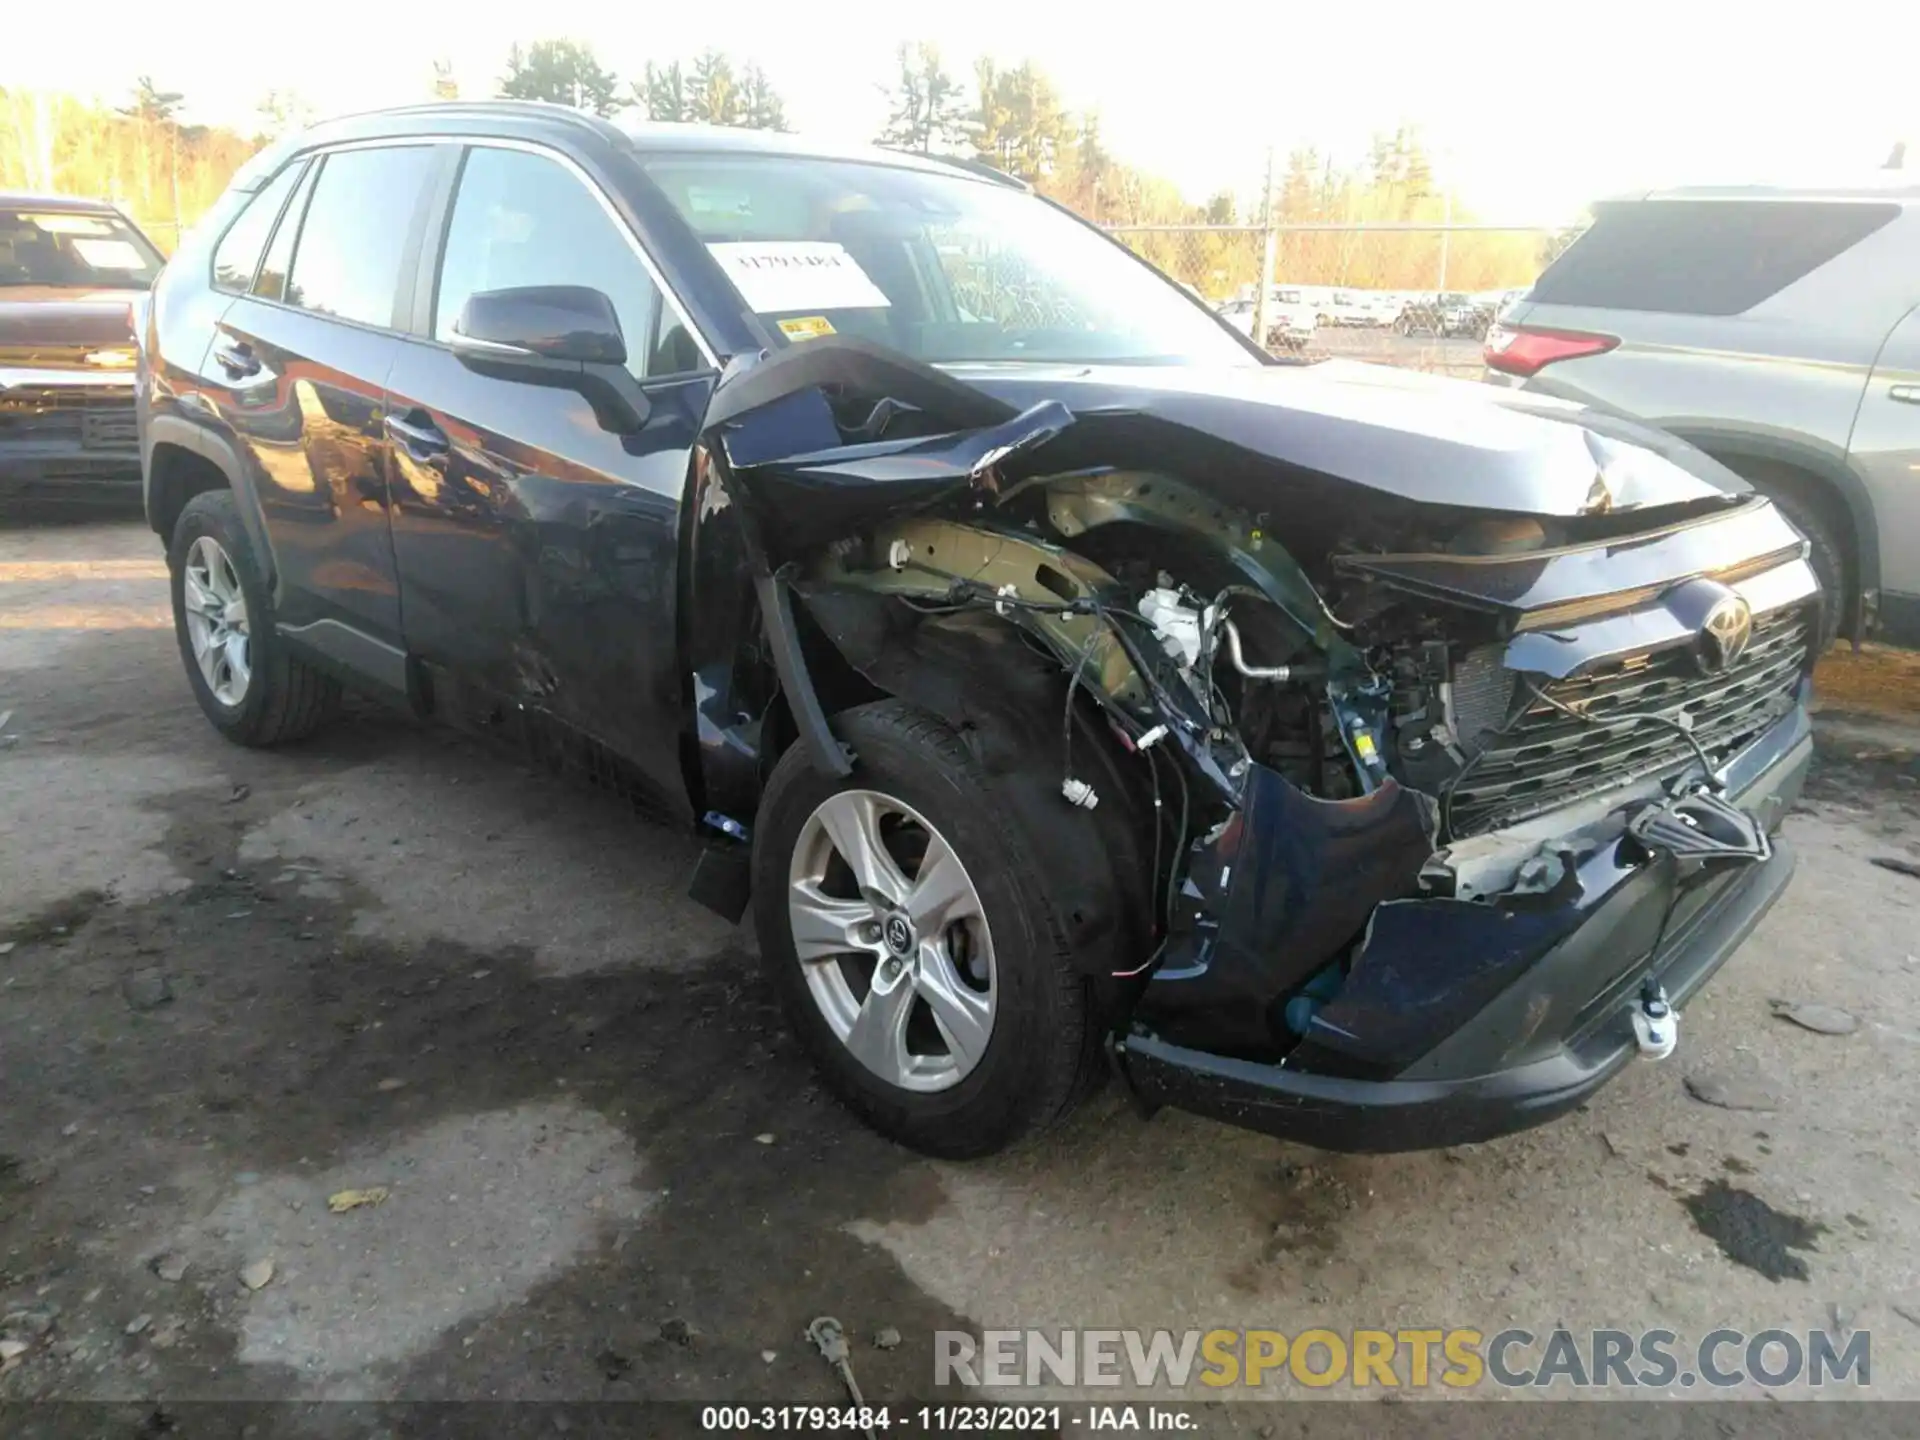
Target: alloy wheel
893 940
216 609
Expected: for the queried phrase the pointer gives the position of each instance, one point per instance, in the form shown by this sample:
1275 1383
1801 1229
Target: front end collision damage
1245 721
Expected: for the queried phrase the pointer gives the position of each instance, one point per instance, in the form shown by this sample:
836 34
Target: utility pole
1446 235
1267 247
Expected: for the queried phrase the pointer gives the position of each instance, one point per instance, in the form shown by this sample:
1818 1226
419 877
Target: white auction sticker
109 254
781 275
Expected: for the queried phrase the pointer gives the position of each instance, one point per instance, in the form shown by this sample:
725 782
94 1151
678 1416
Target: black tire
285 698
1796 499
1044 1050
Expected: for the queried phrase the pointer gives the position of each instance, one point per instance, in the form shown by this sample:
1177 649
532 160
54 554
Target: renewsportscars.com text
1460 1358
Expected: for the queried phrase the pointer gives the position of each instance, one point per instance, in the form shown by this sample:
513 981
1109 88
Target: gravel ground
236 984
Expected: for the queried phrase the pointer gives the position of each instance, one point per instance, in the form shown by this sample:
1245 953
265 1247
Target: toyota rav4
1064 685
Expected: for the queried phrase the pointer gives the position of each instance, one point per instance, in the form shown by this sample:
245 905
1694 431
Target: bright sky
1531 108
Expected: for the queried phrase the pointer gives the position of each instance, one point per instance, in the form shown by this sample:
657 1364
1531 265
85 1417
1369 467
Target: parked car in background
1385 307
989 629
1291 321
1349 308
1776 329
73 273
1449 315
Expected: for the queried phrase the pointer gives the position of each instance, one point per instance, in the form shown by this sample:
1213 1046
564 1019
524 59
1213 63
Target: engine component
1280 674
1175 624
1479 695
1079 792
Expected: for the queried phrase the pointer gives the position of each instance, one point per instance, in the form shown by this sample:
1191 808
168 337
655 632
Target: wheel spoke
941 892
852 822
194 591
878 1038
236 616
224 582
825 926
964 1015
239 661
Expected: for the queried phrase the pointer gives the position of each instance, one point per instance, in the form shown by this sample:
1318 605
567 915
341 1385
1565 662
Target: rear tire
280 698
1041 1050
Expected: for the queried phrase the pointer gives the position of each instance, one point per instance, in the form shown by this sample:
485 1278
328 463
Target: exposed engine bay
1347 727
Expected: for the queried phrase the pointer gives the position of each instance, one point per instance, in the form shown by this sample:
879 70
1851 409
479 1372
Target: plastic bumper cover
1421 1109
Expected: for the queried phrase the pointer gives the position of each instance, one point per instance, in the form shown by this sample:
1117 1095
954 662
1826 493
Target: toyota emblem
1725 633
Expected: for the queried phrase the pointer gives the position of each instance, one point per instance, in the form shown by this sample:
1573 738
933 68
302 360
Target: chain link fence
1409 294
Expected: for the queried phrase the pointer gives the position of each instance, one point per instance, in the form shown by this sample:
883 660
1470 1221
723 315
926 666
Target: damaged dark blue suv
1367 759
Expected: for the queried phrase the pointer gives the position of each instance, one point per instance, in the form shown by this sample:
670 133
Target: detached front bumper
1547 1041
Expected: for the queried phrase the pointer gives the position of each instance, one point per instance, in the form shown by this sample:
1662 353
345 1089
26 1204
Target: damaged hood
1417 437
810 433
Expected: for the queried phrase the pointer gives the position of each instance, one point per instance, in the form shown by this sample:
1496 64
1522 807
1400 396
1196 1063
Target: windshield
73 250
943 267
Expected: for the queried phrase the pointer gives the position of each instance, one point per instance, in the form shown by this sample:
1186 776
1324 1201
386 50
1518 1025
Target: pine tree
1021 125
664 93
761 107
713 92
926 113
564 72
151 103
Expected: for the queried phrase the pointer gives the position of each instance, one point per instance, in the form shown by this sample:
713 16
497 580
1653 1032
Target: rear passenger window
1703 257
237 255
354 237
271 282
523 219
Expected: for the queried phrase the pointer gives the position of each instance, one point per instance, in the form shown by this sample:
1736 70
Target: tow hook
1656 1025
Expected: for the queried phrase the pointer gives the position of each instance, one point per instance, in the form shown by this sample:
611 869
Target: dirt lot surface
235 984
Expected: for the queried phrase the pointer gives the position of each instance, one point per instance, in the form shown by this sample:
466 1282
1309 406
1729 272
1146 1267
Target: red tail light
1517 350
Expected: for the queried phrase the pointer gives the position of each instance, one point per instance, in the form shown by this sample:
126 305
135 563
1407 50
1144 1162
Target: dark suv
1367 760
73 272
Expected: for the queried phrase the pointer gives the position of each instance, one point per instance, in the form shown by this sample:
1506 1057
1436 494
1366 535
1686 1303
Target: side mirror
563 336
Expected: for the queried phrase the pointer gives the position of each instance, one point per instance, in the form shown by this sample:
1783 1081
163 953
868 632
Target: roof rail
968 164
478 109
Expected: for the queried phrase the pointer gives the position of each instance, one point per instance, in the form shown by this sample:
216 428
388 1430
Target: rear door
1886 448
536 551
299 365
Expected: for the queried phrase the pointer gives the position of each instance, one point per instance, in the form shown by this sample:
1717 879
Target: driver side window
521 219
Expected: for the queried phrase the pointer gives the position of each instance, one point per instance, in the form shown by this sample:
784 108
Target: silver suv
1777 330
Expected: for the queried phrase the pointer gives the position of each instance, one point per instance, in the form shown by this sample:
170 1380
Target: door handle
236 357
418 436
1905 394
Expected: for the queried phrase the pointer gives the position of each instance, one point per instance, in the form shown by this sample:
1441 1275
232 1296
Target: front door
537 551
300 364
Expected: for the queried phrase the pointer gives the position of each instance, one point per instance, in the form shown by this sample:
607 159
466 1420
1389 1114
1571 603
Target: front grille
95 417
1547 759
103 429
